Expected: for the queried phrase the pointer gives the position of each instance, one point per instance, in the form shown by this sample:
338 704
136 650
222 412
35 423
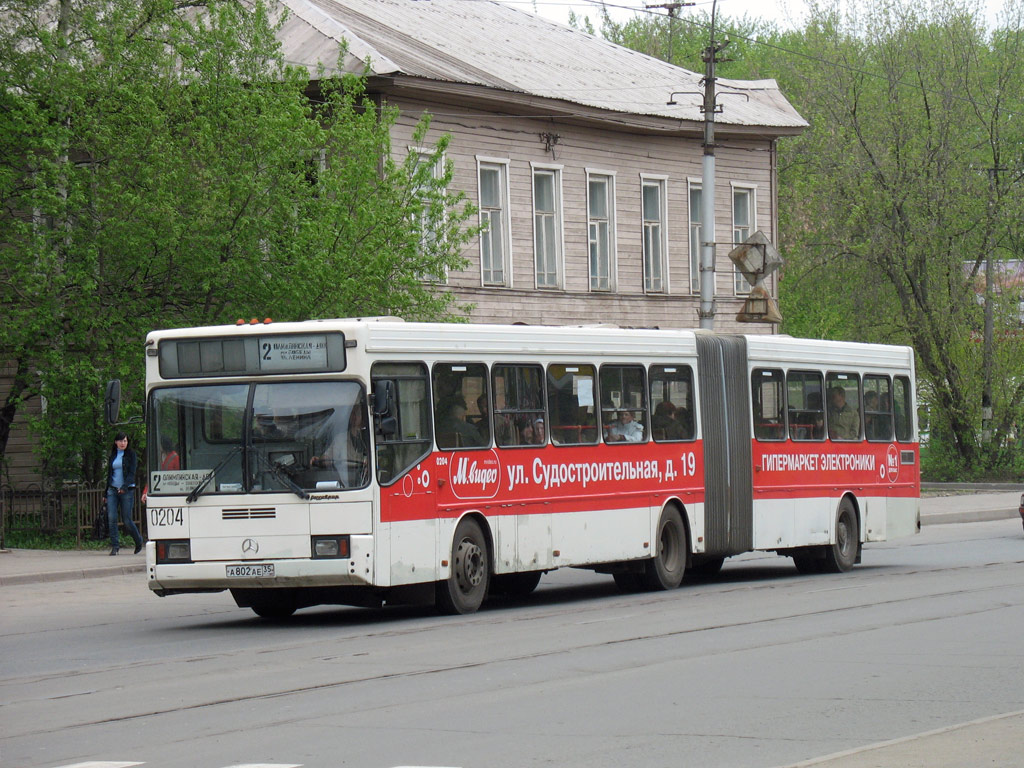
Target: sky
786 13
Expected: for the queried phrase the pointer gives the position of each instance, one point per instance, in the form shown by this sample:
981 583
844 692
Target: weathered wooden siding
627 156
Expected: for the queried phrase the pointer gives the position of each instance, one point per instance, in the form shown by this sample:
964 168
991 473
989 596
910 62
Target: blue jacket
129 465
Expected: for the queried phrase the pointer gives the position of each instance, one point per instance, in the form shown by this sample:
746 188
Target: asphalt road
760 667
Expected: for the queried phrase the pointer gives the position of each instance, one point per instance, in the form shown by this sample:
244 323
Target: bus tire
466 586
807 564
665 570
628 581
515 585
272 606
705 566
841 556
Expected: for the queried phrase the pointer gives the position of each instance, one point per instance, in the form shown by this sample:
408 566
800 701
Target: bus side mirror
112 401
387 426
383 394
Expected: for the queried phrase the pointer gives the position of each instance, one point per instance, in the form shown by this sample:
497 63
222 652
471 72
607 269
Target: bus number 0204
166 516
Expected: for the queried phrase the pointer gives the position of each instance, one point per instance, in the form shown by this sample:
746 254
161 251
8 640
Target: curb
976 516
82 573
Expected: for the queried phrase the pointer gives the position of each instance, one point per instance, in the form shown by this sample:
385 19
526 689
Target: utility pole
707 186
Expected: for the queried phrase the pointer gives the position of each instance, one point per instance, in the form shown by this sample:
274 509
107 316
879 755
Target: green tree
904 188
906 184
163 166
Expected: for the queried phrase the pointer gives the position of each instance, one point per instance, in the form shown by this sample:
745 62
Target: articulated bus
371 461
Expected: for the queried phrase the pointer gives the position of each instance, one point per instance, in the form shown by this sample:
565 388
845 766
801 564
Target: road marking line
101 764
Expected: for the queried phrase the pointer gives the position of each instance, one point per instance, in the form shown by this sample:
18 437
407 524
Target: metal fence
70 509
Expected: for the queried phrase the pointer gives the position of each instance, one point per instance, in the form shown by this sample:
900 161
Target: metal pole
707 189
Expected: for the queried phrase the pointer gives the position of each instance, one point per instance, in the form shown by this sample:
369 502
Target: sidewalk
27 566
990 741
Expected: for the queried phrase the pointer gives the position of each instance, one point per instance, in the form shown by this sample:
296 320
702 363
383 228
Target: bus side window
805 405
410 442
903 402
877 409
767 398
672 403
843 407
624 404
461 405
518 405
571 406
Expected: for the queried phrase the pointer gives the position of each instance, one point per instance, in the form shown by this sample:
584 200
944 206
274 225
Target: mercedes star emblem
250 545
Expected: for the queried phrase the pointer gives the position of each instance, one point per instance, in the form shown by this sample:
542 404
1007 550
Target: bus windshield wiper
194 494
281 475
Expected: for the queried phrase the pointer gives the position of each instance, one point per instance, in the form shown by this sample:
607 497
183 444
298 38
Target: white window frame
422 154
695 232
612 236
740 285
559 240
661 181
486 214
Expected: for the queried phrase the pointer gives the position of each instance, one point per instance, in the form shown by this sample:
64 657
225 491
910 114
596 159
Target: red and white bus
369 461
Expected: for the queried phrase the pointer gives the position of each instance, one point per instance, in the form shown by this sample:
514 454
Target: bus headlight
330 546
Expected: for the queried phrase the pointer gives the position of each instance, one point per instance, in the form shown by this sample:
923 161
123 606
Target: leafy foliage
906 185
162 166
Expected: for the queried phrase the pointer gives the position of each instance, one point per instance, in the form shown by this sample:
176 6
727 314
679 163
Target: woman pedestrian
121 468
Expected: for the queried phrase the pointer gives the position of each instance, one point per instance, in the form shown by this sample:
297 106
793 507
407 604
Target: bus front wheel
466 586
515 585
665 570
841 556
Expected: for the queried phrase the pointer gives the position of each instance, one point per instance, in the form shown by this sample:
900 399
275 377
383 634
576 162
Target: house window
600 226
428 235
654 235
695 236
494 219
742 228
547 226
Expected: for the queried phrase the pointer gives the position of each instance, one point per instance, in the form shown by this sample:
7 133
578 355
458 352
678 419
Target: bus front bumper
218 575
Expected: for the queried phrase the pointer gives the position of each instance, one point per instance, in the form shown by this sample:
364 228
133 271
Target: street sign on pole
756 257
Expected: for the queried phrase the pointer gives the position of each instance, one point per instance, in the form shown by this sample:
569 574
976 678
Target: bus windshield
292 437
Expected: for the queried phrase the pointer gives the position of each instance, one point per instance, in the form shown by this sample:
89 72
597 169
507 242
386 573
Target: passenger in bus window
454 431
539 435
481 420
843 421
625 429
665 422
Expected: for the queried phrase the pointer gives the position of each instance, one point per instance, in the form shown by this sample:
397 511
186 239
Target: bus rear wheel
841 556
466 586
665 570
269 603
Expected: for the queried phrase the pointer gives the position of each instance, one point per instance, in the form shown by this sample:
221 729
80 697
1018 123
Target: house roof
487 44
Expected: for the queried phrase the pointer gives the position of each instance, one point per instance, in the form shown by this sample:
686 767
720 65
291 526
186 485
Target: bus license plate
251 571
